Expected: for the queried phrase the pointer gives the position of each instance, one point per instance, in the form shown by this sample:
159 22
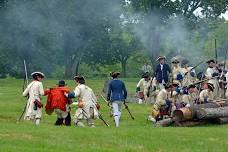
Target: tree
156 14
124 44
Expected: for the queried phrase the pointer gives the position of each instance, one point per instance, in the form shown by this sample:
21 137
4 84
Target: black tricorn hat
78 77
210 86
61 83
209 61
114 74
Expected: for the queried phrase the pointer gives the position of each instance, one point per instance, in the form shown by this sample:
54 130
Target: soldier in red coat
58 102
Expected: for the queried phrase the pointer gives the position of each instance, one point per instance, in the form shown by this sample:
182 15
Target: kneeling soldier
161 101
87 103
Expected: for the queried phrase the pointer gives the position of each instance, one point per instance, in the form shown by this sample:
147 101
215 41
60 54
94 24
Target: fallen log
222 120
182 114
164 122
206 113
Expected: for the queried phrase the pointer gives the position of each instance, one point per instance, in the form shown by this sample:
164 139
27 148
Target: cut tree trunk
164 122
206 113
191 123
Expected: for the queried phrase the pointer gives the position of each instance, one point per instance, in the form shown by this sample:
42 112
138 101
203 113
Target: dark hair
81 81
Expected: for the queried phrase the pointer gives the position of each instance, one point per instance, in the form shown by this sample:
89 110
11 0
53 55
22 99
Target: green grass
137 135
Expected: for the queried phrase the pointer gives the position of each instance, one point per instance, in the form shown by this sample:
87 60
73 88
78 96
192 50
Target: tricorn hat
175 60
160 57
78 77
34 74
210 86
209 61
114 74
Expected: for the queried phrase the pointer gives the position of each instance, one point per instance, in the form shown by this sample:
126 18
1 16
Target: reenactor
189 74
143 88
213 73
34 91
162 102
117 94
146 68
58 102
162 72
176 69
207 94
87 103
189 96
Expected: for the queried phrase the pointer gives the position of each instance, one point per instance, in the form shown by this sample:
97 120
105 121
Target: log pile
198 114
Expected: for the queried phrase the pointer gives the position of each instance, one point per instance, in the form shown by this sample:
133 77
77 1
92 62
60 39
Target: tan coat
161 98
214 81
86 95
206 94
176 70
34 90
144 85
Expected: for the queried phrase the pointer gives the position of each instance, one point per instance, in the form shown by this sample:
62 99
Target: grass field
137 135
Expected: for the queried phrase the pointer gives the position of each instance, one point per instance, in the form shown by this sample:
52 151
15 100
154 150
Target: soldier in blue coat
117 94
162 72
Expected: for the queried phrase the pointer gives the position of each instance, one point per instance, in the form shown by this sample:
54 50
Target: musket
108 104
25 81
201 81
99 115
194 67
126 107
216 52
105 100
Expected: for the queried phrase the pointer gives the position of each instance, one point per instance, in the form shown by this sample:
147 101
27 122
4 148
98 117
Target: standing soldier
117 94
34 91
146 68
162 72
189 74
58 102
213 72
87 103
176 69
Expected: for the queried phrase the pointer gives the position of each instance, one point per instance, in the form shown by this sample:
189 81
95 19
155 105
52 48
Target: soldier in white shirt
213 72
207 94
146 68
34 91
143 87
87 103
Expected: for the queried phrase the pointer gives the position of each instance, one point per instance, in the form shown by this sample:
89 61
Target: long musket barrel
25 80
194 67
126 107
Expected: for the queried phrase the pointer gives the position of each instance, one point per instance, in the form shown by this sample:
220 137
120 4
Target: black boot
68 120
59 121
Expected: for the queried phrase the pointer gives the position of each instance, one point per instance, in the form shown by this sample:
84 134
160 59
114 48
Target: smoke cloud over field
32 27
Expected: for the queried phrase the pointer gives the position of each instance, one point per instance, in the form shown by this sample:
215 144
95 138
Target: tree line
65 38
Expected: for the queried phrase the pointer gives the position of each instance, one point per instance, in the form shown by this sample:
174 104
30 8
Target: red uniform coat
56 98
